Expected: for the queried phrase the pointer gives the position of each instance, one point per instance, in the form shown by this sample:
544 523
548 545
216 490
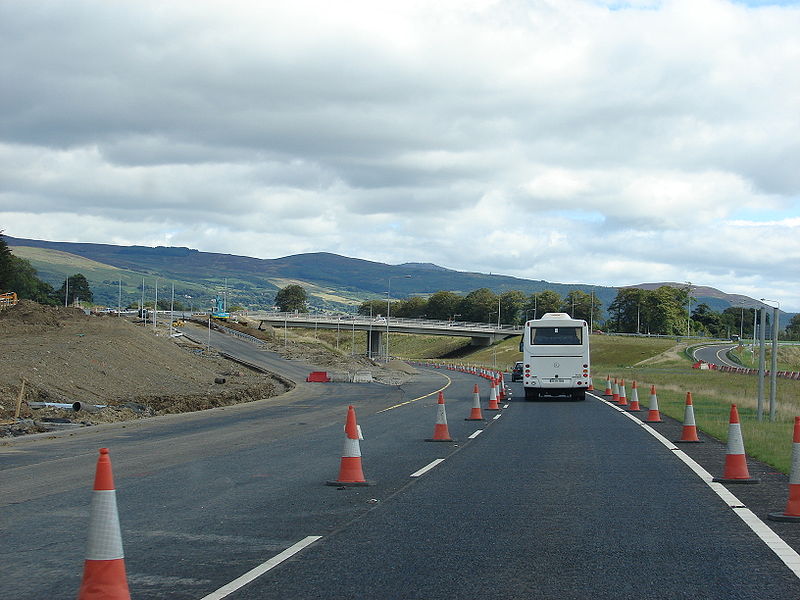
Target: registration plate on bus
557 380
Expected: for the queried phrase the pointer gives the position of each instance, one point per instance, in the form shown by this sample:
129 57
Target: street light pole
773 373
761 363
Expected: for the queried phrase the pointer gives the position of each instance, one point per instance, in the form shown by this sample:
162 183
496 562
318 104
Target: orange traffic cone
653 414
623 395
792 512
689 434
350 470
735 459
615 391
608 391
104 567
493 405
501 388
634 407
440 431
475 414
591 385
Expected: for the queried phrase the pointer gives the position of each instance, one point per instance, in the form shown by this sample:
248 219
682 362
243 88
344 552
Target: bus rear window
556 336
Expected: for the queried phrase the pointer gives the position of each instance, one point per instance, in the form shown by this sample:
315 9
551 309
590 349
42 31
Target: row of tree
18 275
667 311
483 305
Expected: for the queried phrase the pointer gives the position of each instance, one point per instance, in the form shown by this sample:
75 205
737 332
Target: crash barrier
745 371
235 333
318 377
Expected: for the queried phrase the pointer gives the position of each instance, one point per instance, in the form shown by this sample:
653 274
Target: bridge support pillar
374 338
481 341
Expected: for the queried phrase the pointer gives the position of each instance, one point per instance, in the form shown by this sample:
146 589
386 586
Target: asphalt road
717 354
550 500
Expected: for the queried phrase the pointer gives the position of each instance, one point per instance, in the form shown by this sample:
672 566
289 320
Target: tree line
18 275
485 306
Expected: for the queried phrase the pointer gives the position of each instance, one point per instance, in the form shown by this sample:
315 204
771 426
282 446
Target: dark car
516 372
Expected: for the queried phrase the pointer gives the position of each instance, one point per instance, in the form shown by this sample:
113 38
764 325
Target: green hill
333 282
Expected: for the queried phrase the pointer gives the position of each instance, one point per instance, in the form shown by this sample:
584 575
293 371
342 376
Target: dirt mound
65 356
36 317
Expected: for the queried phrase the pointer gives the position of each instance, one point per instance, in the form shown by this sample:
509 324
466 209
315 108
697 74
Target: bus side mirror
520 345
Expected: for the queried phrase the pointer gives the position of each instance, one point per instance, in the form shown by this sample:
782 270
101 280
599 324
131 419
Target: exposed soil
134 371
65 356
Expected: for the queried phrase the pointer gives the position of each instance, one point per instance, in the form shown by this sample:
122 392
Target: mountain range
333 282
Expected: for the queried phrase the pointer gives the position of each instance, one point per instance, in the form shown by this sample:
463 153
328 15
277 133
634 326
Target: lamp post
388 301
773 372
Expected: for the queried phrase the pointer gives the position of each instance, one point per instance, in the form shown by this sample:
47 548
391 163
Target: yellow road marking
441 389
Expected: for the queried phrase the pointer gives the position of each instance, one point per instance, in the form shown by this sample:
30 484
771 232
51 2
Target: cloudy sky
569 140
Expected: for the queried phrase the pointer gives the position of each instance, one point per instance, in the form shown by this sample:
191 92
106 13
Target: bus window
556 336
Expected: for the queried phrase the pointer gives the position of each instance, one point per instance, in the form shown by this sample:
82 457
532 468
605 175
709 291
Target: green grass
712 392
788 357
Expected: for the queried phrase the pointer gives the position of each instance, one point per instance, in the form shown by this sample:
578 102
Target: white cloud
608 142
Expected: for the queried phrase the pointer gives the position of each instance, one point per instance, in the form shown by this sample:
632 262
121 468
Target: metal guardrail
244 336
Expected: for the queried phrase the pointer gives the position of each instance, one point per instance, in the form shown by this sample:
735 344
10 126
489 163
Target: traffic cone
591 385
493 405
440 431
475 414
792 512
735 458
634 407
653 415
689 434
615 391
104 567
351 473
608 391
623 395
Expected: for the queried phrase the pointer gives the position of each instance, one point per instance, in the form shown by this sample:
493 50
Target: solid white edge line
476 434
253 574
427 468
774 542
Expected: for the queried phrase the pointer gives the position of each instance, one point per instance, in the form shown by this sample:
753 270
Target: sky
575 141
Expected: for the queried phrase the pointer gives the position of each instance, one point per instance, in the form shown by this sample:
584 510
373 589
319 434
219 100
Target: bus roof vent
556 316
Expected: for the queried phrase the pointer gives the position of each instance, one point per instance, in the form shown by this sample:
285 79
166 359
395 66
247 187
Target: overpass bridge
480 334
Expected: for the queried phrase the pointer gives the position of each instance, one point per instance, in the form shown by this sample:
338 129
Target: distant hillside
334 282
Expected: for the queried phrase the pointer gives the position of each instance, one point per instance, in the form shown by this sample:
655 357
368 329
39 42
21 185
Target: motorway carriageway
549 500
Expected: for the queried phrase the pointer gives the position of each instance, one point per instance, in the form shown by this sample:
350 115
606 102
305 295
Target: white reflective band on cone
735 441
105 539
688 415
794 477
352 448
